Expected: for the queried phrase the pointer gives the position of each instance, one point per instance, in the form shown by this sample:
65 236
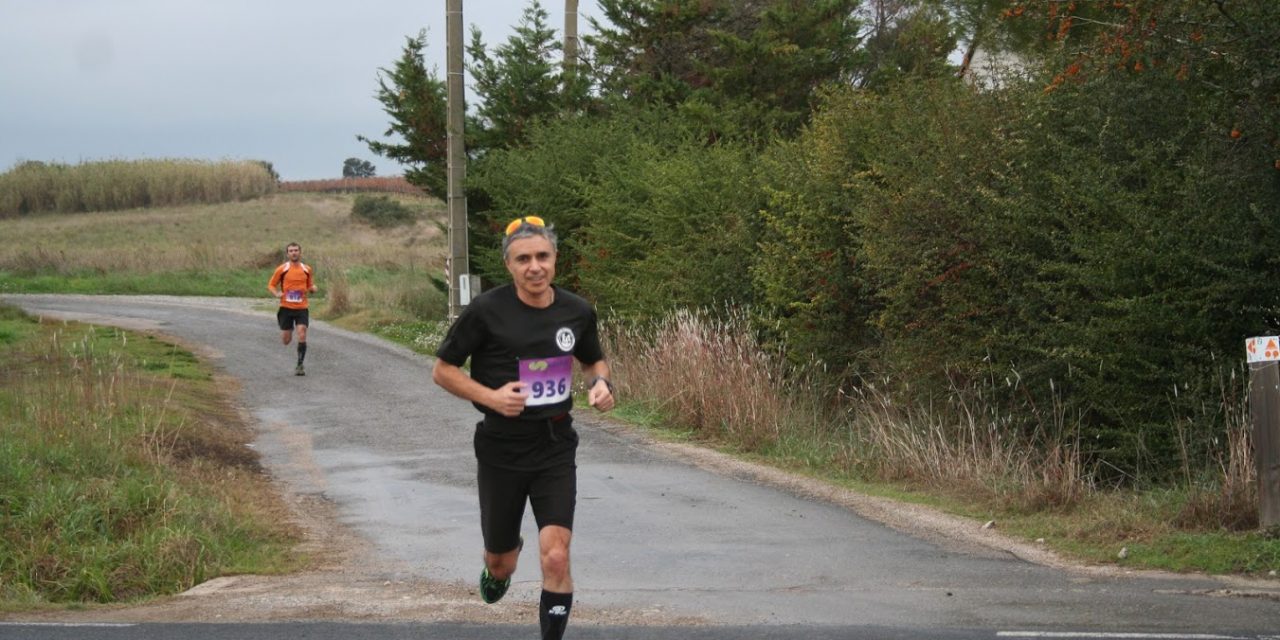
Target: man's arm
600 395
271 285
507 400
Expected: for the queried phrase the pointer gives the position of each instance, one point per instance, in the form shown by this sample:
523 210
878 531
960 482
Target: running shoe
491 588
299 371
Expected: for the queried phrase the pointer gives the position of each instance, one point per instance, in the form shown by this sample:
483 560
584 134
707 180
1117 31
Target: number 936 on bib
547 380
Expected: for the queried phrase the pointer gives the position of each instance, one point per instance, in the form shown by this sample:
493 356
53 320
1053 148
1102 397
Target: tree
357 168
522 82
907 38
744 69
416 101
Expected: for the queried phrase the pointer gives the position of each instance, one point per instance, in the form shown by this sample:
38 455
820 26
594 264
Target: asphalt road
368 431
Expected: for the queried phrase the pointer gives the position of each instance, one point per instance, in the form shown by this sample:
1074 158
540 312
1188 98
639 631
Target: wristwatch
609 385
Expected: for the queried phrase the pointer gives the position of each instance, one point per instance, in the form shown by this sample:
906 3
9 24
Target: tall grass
965 444
120 475
1229 497
36 187
709 375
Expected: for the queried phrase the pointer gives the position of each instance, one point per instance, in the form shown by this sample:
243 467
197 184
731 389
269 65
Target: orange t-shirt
295 282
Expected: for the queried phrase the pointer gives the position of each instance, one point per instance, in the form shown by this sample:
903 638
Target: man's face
532 263
294 252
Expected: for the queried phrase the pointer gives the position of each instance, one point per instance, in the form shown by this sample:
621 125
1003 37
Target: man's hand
508 399
599 395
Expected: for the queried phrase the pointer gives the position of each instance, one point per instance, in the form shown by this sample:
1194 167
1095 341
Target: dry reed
36 187
710 375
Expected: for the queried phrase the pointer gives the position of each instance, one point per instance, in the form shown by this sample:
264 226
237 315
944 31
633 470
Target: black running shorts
552 493
287 318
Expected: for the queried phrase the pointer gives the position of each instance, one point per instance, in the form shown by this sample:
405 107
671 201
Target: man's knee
555 552
555 562
501 565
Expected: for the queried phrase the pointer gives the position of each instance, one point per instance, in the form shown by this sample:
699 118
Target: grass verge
124 472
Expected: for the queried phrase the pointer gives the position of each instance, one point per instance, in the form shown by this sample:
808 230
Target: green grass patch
422 336
235 283
123 473
1217 552
14 325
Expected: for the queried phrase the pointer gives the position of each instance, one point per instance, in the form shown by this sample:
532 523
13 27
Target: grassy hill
369 278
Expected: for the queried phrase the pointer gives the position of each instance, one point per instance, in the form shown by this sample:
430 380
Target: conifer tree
520 83
743 69
416 101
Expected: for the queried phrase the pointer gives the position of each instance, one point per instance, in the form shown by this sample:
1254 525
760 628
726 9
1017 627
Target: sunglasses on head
515 224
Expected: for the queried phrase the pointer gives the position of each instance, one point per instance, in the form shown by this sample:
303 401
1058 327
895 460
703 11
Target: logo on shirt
564 339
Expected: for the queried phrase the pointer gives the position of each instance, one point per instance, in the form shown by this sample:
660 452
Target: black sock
302 351
553 613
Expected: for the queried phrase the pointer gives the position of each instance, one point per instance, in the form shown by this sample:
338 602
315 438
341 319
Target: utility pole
458 269
570 37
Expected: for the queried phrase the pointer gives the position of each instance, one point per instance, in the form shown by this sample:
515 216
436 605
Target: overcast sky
291 82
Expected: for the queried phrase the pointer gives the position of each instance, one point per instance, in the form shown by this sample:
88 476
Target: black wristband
607 384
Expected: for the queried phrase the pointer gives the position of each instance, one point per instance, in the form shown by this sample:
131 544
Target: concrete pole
459 267
1264 412
570 36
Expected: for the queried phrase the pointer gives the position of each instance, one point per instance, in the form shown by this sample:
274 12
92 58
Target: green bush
674 229
1097 245
382 211
650 216
546 177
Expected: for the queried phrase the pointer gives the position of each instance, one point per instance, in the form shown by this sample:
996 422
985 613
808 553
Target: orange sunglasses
515 224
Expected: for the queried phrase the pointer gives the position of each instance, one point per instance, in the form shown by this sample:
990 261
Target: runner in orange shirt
291 282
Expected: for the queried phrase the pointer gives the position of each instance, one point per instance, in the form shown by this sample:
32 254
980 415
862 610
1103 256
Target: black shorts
287 318
552 492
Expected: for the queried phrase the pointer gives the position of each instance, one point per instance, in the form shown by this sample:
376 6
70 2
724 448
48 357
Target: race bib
546 379
293 295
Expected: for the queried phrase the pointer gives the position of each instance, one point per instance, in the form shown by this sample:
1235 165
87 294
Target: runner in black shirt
522 339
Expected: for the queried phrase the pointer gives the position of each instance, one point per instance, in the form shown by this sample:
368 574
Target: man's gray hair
526 230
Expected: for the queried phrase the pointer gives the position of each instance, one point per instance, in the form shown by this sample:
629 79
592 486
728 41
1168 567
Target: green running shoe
298 370
491 588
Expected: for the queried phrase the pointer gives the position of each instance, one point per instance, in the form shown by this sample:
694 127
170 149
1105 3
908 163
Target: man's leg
554 543
302 344
285 322
554 498
557 583
502 499
502 565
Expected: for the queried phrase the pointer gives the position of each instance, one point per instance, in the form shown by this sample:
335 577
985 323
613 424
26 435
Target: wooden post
1264 412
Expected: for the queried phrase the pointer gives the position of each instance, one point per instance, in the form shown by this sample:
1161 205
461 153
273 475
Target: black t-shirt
508 340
